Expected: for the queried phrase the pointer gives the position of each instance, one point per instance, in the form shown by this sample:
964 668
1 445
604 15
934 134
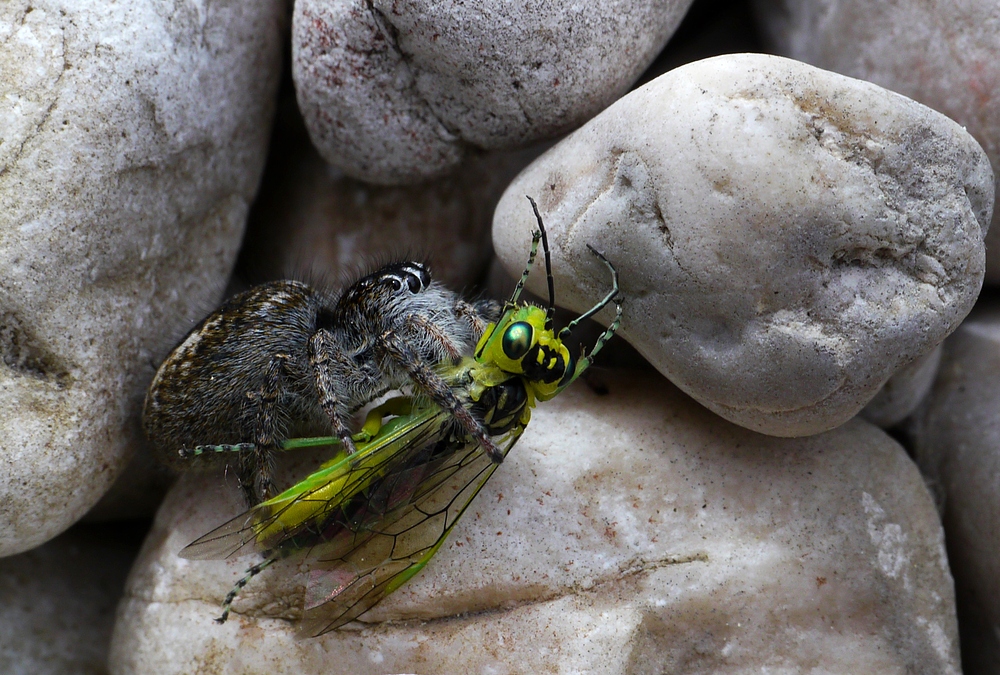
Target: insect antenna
511 304
536 236
551 309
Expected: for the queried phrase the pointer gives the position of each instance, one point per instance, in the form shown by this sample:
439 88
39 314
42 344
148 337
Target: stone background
157 156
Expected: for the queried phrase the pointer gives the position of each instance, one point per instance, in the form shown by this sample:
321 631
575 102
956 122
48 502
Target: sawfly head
523 342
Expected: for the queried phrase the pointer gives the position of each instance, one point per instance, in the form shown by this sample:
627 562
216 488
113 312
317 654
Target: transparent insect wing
347 581
269 525
367 484
410 492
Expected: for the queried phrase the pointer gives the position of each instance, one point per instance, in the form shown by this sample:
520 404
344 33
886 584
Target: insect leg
435 386
187 453
608 333
612 296
604 302
536 237
252 571
323 353
261 423
395 406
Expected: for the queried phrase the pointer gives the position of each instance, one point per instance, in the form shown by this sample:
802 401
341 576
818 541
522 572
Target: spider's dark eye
423 275
517 340
413 281
395 284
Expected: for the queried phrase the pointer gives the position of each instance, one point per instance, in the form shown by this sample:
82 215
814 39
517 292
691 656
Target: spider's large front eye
517 340
423 276
413 281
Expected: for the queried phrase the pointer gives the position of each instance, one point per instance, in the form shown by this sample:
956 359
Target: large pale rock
133 139
942 53
310 221
787 237
957 442
57 602
629 531
395 92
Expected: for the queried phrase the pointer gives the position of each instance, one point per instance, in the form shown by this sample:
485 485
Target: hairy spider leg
440 392
321 351
478 314
260 415
425 325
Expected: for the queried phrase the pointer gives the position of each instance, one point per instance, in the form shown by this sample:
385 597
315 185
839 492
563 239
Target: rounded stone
134 137
939 52
956 436
787 238
395 92
628 527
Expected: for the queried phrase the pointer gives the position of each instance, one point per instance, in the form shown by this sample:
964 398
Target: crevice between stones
631 569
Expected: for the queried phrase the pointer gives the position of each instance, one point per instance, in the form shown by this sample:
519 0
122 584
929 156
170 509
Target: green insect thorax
522 343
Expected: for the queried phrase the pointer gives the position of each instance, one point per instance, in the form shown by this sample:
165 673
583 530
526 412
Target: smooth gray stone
942 53
133 137
956 435
395 92
787 238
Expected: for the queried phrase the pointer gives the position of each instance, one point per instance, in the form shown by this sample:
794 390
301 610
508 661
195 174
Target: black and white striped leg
187 453
252 571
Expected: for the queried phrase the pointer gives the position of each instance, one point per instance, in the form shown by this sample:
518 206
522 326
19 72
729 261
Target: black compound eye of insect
517 340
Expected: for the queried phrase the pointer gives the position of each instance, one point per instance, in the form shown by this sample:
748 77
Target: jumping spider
282 357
